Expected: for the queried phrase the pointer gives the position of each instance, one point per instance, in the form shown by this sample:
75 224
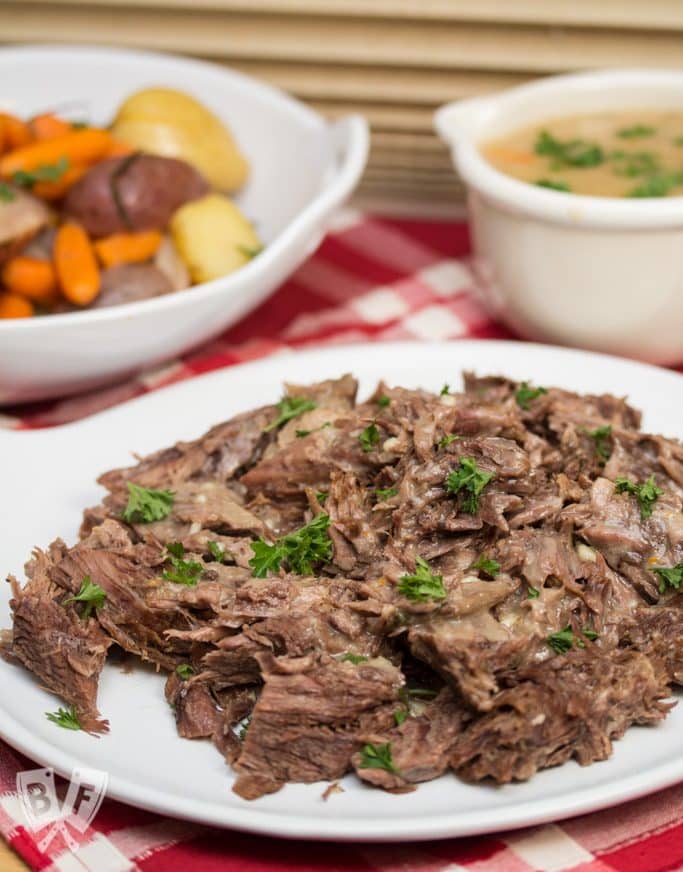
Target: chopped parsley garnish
470 479
146 505
65 718
45 173
6 193
383 401
601 436
244 727
288 408
91 594
553 185
445 390
524 395
217 552
669 576
301 433
657 185
349 657
634 164
571 153
399 716
321 496
646 493
385 493
490 567
636 131
563 640
300 551
369 438
185 671
185 572
445 441
678 140
250 251
533 592
377 757
423 585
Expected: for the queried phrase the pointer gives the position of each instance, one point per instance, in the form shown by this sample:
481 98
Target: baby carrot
31 278
57 189
13 306
119 148
49 126
78 147
76 265
17 133
127 247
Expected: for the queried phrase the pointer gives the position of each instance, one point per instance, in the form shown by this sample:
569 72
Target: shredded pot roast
487 582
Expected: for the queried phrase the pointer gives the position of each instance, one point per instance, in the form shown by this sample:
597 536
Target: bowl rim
455 122
351 128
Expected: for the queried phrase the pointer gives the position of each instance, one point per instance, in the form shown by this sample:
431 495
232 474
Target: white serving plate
302 170
48 478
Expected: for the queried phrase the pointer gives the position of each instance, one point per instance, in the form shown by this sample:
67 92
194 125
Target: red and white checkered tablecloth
372 279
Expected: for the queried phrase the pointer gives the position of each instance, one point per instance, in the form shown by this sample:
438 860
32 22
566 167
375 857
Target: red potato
136 192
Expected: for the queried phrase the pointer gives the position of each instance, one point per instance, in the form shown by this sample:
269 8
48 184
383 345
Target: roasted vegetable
76 265
213 237
170 123
130 282
137 192
22 216
172 265
128 247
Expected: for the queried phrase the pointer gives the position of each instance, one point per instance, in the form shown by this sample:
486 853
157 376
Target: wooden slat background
393 60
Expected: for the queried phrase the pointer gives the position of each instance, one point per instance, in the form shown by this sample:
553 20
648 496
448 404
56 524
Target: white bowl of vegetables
575 195
147 202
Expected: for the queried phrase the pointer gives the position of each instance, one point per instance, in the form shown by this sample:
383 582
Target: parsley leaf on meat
385 493
571 153
288 408
91 594
300 550
383 401
185 572
469 478
669 576
601 436
217 552
423 585
321 496
399 716
377 757
646 493
524 395
490 567
65 718
146 505
369 438
562 641
533 592
350 657
185 671
445 390
445 441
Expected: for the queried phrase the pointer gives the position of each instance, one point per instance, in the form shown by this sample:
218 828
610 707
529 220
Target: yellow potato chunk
213 237
172 124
